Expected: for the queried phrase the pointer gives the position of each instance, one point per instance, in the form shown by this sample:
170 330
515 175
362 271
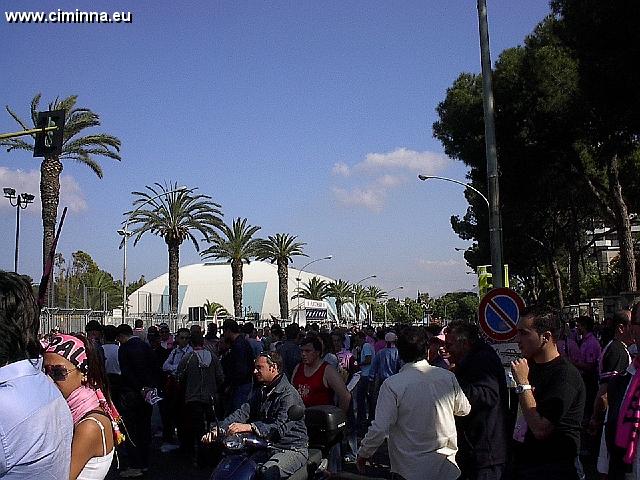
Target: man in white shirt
181 349
416 410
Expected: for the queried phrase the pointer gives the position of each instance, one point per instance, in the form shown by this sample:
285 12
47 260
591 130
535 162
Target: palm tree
375 294
280 249
82 149
360 297
342 292
213 309
173 217
237 246
314 289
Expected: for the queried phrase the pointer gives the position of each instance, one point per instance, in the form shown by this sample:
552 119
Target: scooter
325 427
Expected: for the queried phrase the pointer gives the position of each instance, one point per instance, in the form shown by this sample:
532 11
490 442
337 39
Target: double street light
20 202
328 257
126 234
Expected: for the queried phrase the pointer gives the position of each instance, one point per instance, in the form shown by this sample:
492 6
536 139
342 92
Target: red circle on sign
482 313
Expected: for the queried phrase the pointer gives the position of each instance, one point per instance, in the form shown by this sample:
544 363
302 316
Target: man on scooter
266 414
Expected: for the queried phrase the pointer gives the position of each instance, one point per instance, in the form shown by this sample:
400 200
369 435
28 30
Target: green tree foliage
552 189
459 306
342 292
175 215
237 246
280 249
314 289
82 149
84 285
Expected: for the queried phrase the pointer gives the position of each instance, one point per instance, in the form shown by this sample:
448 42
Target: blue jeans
363 404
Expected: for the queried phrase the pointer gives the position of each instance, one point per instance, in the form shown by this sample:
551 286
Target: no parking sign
499 312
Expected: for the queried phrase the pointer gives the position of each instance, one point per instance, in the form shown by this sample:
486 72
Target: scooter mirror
295 412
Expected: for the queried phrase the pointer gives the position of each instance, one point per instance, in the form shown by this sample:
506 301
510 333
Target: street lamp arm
466 185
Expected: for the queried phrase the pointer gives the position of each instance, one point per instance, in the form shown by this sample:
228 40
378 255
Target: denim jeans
363 404
280 465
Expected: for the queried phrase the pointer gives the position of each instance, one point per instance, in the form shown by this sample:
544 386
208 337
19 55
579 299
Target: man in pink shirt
590 351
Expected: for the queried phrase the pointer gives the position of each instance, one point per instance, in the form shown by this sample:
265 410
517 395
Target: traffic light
49 144
485 282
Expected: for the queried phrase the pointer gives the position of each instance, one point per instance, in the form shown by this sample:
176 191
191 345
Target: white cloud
390 181
372 199
380 173
341 169
425 162
428 264
71 194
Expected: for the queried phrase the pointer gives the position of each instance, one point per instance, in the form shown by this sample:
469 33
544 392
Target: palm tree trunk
339 309
236 275
174 261
50 170
357 308
283 288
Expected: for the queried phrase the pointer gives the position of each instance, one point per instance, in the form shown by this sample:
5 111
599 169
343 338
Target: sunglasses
58 373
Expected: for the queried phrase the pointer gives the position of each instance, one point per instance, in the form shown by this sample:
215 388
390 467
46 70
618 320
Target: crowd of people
441 397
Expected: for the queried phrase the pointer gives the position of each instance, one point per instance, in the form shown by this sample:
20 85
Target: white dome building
212 281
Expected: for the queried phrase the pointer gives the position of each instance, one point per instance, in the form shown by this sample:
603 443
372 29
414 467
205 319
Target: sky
311 118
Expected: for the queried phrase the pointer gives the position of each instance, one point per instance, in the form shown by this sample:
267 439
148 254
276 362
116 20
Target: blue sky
307 117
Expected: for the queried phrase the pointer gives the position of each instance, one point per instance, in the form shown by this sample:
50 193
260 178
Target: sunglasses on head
58 373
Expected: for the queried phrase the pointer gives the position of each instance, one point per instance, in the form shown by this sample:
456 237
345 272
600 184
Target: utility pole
495 223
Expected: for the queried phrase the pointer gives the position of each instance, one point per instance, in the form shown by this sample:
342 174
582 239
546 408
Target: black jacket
268 409
482 435
137 364
616 389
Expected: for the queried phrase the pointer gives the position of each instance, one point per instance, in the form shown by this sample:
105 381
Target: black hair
231 325
247 328
586 322
183 330
139 323
327 344
273 358
93 326
544 320
197 340
19 319
124 329
291 331
110 333
314 342
412 345
464 331
620 318
96 374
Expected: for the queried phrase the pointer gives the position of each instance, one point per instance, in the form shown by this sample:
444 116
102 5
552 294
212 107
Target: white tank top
97 467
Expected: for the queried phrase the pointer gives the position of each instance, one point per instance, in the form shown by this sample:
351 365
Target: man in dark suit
482 436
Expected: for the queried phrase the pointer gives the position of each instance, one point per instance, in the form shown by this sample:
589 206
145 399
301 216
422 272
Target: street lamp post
20 202
495 222
495 232
328 257
354 294
445 309
126 234
385 302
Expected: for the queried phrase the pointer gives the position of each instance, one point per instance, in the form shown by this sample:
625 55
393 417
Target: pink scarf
85 399
628 427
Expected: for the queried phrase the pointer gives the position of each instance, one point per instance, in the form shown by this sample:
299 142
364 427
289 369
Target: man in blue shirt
35 422
386 362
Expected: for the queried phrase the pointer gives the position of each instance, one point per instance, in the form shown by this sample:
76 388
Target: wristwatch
522 388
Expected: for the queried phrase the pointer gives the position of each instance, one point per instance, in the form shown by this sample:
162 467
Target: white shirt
416 410
111 363
175 357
